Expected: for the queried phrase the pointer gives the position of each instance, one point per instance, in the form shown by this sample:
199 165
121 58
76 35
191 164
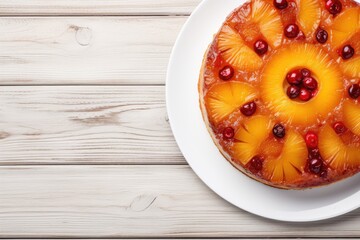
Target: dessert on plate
280 91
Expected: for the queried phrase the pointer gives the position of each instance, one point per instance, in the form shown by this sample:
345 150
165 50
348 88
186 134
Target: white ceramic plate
203 156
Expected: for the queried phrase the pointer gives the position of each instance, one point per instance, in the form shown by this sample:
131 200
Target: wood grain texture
97 7
134 201
85 124
86 50
146 190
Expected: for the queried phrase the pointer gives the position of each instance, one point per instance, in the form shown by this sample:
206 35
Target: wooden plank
97 7
86 50
134 202
85 124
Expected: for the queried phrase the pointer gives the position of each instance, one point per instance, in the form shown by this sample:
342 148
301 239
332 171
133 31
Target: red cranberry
281 4
305 72
315 165
279 131
261 47
322 36
294 77
293 92
347 52
311 140
256 164
291 31
310 83
305 95
354 91
333 6
339 127
248 109
228 133
226 73
314 93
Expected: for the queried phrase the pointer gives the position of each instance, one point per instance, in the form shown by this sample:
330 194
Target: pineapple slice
309 15
324 69
253 138
337 155
351 113
269 22
224 98
250 136
234 48
289 166
351 67
344 26
235 51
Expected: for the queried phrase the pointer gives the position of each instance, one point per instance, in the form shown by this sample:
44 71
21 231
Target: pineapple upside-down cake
280 91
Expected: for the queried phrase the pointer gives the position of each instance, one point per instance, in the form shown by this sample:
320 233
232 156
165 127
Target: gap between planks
167 238
96 15
88 85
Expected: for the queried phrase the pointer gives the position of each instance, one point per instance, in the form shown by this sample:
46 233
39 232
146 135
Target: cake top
279 90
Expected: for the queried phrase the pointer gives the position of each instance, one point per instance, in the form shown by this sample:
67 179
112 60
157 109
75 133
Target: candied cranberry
310 83
256 164
333 6
311 140
281 4
314 92
314 153
339 127
226 73
322 36
248 109
347 52
228 133
315 165
291 31
294 77
305 95
261 47
293 92
279 131
354 91
305 72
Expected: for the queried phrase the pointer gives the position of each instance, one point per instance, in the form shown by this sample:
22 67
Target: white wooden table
85 147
